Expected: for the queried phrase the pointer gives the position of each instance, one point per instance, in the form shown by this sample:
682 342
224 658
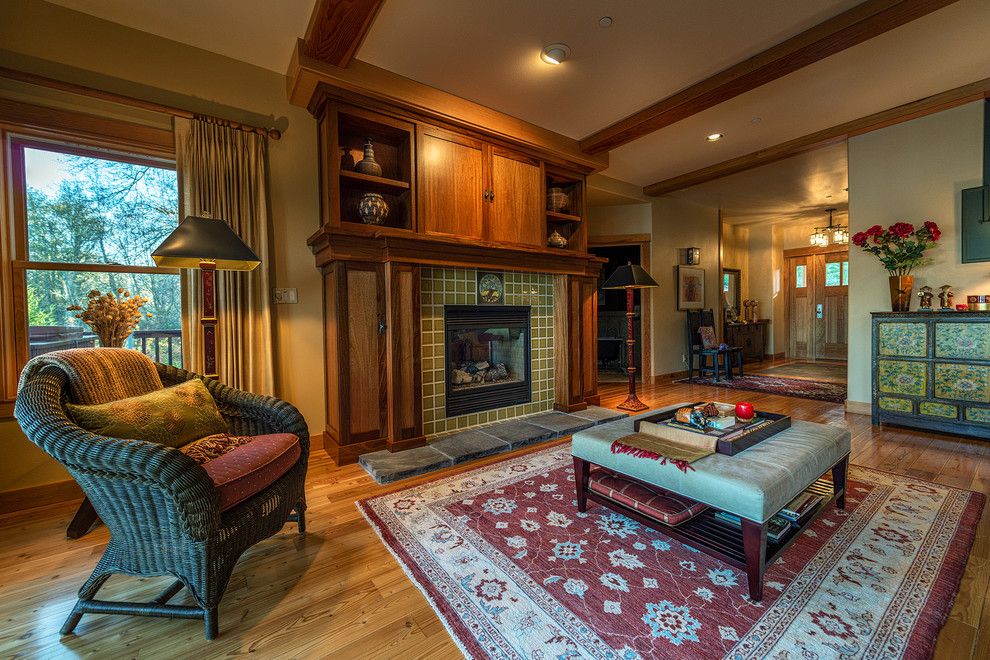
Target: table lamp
209 245
630 277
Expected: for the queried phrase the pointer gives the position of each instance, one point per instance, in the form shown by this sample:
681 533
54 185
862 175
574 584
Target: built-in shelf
554 216
375 180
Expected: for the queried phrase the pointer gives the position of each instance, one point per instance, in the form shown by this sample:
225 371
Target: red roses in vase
899 248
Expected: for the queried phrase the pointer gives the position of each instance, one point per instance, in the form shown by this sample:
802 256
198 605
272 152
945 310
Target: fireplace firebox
487 357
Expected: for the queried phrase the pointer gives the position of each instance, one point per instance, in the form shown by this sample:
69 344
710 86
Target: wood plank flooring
338 592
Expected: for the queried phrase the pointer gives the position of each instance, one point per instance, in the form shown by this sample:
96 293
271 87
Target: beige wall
735 254
912 171
678 224
620 219
168 72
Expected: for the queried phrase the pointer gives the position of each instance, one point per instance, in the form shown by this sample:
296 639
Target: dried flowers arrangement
112 317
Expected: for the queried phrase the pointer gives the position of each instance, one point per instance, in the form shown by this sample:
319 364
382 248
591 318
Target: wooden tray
736 443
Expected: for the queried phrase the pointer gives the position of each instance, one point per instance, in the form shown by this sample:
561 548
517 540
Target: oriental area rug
514 571
799 387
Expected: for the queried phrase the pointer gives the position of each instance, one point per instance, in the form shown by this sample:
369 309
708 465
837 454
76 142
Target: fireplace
487 357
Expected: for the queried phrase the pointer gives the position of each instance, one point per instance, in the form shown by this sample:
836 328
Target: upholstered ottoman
754 484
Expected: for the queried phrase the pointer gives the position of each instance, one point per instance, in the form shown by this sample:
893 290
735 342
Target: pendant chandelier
831 234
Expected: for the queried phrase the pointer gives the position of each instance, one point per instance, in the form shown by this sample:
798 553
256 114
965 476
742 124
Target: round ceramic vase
373 209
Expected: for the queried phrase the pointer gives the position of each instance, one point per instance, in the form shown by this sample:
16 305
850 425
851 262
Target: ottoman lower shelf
747 547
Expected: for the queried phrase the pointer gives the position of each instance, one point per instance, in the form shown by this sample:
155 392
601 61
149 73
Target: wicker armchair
160 506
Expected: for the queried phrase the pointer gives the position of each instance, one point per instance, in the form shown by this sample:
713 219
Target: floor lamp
208 245
630 277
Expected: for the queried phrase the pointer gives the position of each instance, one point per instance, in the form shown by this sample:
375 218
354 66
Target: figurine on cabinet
945 296
926 293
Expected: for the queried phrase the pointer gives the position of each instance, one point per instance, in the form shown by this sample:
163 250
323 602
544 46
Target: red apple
744 412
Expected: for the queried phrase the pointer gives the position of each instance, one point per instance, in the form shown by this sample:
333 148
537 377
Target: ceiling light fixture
823 236
714 137
555 53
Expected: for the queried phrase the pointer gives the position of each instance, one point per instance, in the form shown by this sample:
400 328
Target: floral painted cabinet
932 371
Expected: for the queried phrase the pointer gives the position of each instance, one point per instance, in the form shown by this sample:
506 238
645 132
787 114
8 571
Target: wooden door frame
644 241
785 281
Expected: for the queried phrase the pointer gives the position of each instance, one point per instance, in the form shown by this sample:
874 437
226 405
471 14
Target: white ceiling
260 32
797 188
488 52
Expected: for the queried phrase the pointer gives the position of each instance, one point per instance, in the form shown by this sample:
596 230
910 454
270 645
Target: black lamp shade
198 239
630 276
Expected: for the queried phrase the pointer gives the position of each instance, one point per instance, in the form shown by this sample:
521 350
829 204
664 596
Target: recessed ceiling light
605 21
714 137
555 53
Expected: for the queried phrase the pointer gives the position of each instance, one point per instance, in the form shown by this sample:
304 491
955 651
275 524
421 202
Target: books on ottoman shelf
777 527
801 506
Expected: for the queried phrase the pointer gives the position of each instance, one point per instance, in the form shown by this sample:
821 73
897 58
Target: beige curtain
223 173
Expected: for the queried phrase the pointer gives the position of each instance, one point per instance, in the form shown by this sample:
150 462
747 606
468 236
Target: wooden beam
308 77
337 29
852 27
908 111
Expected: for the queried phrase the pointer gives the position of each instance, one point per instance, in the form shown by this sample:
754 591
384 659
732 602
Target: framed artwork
690 288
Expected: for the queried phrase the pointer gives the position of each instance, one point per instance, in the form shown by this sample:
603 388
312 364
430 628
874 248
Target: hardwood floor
338 592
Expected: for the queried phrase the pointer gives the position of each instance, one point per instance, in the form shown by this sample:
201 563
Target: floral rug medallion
514 571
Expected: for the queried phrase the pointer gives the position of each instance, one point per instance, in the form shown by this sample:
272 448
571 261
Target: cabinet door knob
491 195
485 194
381 326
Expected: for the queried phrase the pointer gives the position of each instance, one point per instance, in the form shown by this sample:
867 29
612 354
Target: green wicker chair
160 506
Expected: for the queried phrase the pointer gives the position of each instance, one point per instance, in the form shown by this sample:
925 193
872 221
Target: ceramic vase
373 209
558 201
901 287
557 240
368 164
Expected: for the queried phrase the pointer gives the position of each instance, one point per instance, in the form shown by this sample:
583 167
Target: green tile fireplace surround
931 370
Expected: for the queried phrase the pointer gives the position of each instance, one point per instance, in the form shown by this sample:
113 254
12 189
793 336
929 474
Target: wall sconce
692 256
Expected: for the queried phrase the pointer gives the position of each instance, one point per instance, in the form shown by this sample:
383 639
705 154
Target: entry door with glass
818 304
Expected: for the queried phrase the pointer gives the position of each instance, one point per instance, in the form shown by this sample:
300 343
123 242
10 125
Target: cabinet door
361 352
451 184
517 208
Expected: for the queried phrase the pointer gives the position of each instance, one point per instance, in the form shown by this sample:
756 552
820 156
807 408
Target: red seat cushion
661 505
249 468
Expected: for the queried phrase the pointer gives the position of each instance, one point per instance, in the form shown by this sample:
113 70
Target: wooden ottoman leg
755 547
582 469
839 472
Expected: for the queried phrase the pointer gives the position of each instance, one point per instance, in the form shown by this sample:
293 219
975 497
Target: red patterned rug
799 387
514 571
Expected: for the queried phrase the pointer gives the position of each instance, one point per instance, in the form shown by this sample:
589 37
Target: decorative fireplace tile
458 286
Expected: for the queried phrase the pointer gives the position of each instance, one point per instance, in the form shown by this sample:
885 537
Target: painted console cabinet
932 371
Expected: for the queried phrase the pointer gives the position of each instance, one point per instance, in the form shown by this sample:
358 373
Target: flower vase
901 287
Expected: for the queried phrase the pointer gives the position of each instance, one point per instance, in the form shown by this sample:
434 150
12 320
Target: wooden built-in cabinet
456 197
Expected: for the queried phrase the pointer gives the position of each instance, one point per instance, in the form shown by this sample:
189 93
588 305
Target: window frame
26 126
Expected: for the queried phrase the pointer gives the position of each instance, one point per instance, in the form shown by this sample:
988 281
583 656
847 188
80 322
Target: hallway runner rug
805 389
514 571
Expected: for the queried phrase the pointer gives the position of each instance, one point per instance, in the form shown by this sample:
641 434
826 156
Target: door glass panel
800 276
833 273
845 273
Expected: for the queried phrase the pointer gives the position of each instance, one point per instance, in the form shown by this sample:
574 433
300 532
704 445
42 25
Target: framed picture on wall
690 288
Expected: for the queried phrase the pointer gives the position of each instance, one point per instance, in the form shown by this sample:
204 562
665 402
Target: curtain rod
113 97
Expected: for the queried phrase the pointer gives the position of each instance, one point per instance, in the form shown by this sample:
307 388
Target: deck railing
160 345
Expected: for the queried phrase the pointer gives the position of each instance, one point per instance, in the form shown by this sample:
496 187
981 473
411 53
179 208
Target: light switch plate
285 296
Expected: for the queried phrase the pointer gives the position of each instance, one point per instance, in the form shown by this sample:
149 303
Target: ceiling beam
337 29
920 108
852 27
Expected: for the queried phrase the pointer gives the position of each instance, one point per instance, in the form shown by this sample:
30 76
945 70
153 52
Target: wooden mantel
383 244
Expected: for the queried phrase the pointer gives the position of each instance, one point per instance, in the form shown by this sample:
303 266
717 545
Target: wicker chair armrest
92 457
246 412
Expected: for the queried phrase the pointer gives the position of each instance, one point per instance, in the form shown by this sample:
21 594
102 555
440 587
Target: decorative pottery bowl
557 240
558 201
373 209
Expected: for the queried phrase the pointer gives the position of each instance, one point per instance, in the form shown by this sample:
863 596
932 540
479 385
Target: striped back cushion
101 375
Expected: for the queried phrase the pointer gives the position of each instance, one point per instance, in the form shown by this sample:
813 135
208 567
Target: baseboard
42 495
666 379
858 407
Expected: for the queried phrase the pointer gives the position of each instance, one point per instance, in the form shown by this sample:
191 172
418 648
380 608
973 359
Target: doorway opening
612 323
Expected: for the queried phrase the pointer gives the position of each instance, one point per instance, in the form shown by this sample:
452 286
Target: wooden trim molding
836 134
337 29
861 23
310 81
858 407
807 251
42 495
618 239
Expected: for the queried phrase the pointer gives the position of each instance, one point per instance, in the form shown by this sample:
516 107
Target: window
89 220
800 276
837 273
845 273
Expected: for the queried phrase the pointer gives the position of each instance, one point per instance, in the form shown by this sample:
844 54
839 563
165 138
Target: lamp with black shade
630 277
207 244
